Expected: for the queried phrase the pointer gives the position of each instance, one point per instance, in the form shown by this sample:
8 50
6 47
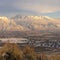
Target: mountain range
29 23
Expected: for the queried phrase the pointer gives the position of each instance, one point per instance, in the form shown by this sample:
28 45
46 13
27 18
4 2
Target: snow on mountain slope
37 23
10 25
29 23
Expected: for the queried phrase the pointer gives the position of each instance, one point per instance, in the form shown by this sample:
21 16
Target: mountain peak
33 17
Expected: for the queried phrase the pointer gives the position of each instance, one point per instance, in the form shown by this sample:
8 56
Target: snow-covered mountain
8 24
38 23
29 23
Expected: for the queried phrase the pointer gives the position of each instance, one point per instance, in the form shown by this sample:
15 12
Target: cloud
54 14
28 7
44 6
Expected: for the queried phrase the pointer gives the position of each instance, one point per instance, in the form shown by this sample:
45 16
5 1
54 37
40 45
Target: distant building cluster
13 40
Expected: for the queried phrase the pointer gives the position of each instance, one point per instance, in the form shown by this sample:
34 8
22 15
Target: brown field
11 51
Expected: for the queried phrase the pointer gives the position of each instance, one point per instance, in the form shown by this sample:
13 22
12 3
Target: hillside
22 26
38 23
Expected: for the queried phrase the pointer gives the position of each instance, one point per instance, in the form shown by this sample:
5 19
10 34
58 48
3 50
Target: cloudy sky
30 7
